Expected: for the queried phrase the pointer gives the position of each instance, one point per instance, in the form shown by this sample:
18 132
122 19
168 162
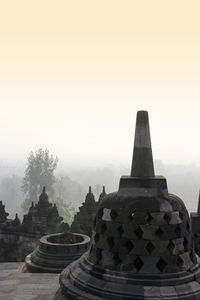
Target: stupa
3 213
141 243
103 194
16 221
43 217
195 222
56 251
18 239
84 219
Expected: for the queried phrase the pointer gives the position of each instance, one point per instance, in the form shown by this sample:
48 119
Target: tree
69 194
69 190
65 210
39 172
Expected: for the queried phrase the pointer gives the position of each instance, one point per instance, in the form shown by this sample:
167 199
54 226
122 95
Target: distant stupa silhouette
84 219
103 194
141 246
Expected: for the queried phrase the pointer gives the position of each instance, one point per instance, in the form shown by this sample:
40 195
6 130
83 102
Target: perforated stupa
141 244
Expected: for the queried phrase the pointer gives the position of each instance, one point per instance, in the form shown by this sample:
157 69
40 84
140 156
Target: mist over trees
71 185
11 194
69 195
39 172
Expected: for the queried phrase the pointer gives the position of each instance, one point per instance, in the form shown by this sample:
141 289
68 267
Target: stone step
16 285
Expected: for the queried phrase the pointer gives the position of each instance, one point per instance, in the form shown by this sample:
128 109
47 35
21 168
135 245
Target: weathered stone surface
15 246
142 163
16 285
56 251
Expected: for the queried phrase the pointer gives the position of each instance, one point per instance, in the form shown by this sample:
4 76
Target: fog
182 179
93 141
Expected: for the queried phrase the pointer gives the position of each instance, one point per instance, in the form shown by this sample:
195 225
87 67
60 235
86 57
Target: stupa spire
142 163
103 194
43 197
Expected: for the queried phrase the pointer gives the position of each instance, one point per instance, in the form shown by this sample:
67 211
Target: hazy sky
74 73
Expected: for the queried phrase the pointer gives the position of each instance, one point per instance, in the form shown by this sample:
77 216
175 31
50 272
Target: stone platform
16 285
56 251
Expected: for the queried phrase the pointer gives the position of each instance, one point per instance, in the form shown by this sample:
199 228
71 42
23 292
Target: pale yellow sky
74 73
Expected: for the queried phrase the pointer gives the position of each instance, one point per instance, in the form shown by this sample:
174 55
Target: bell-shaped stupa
141 244
195 223
102 195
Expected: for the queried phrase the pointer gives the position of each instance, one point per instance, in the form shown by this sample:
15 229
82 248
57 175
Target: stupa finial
142 163
90 189
43 197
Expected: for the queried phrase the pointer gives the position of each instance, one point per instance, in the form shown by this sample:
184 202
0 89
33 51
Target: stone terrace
16 285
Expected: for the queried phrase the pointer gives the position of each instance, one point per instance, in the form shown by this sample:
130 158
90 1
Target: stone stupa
3 213
56 251
195 222
102 195
43 218
141 243
84 219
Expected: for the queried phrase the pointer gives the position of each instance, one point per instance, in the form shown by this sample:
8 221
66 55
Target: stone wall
14 247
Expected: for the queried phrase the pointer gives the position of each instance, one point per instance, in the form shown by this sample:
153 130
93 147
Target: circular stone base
79 281
56 251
